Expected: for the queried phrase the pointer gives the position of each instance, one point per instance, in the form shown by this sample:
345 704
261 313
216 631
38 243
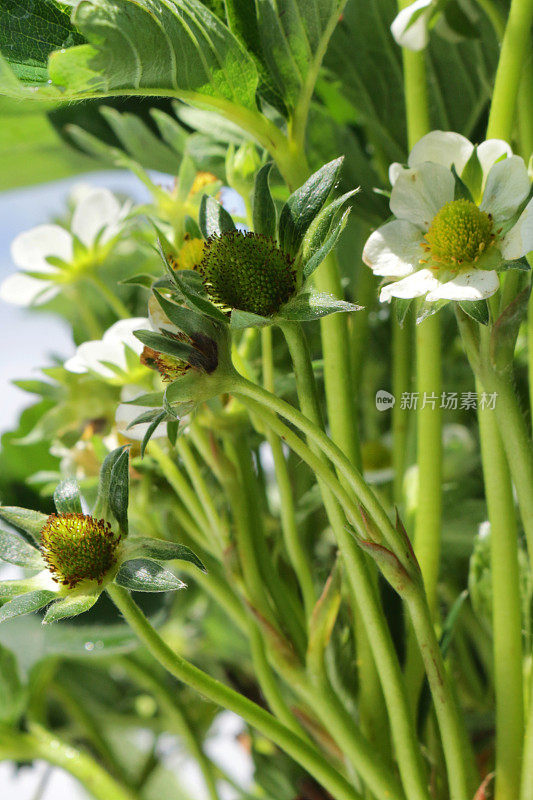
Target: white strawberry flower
114 357
410 26
461 215
49 256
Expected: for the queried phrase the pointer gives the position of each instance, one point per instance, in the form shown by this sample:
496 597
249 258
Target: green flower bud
77 547
247 271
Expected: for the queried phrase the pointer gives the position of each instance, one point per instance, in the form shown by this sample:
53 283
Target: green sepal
172 430
161 417
304 204
213 217
472 175
164 344
194 299
426 309
309 305
119 490
31 522
26 603
143 575
14 549
161 550
143 279
519 263
185 319
69 607
461 191
326 247
192 228
245 319
67 498
150 400
264 210
13 588
102 506
477 309
146 416
401 308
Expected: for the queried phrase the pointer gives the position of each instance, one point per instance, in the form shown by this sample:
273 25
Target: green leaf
177 47
119 490
29 31
311 305
26 603
16 550
305 204
214 219
161 417
477 309
139 141
11 689
102 507
31 522
67 498
264 210
69 607
164 344
161 550
143 575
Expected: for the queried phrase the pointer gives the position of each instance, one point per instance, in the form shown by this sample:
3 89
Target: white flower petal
30 249
507 187
419 193
519 240
414 36
395 169
96 210
414 285
393 250
476 284
122 332
442 147
489 152
23 290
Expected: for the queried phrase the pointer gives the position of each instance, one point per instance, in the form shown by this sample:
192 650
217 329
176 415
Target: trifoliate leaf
69 607
143 575
67 498
26 603
16 550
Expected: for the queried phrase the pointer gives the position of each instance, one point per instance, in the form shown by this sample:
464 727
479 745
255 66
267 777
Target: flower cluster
461 216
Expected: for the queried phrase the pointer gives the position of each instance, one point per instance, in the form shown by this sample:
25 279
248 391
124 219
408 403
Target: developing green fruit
247 271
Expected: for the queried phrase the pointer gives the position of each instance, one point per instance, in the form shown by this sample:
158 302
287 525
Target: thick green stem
506 608
306 755
516 41
429 447
41 744
296 551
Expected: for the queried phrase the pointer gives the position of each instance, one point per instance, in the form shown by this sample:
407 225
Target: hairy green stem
506 608
306 755
515 44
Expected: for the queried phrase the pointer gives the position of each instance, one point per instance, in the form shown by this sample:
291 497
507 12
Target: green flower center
247 271
459 233
77 547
